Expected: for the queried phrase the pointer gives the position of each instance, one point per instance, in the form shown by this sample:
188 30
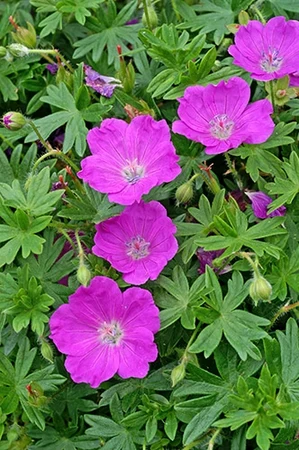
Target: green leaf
204 419
102 426
288 187
239 327
111 32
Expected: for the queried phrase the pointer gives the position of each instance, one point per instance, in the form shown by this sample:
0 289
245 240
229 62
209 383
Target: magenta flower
260 202
128 160
267 51
139 242
53 68
101 84
104 331
220 118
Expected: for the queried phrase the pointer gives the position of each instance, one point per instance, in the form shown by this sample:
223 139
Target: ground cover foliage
149 268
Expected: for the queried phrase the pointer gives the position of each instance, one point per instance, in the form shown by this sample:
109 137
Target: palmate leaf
110 31
239 327
51 266
51 439
13 382
233 226
215 15
289 349
58 9
74 118
286 187
181 301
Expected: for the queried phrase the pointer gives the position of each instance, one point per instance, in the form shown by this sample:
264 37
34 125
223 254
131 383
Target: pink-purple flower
101 84
128 160
260 202
139 242
52 68
267 51
220 118
104 331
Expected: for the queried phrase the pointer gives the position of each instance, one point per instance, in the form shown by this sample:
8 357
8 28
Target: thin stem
62 231
7 141
233 171
283 310
195 443
193 336
271 84
46 155
213 439
258 13
66 63
58 154
65 226
253 264
37 132
146 14
55 52
80 249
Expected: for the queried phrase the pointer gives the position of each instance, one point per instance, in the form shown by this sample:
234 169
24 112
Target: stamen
110 333
137 248
271 62
133 172
221 126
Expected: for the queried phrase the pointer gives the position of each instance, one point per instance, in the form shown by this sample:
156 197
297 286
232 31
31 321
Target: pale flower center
110 333
221 127
133 172
137 248
271 62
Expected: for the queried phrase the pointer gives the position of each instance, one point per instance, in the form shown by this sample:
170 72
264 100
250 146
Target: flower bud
3 52
13 120
184 193
152 18
243 17
25 36
233 27
18 50
260 289
178 374
46 351
83 274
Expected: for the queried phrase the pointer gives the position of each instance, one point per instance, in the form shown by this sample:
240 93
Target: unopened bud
18 50
3 52
13 120
83 274
152 20
184 193
178 374
46 351
64 76
260 289
233 27
25 36
243 17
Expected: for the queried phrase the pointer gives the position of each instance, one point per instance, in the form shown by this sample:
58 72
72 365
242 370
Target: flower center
137 247
221 126
133 172
271 62
110 333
